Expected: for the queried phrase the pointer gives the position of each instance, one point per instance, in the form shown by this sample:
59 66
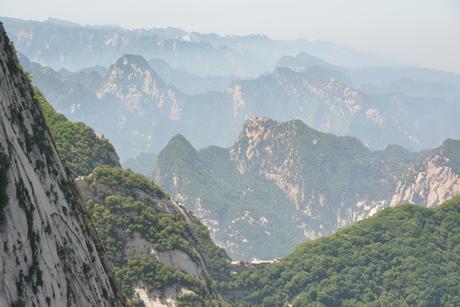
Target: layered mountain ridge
284 182
58 44
142 112
277 184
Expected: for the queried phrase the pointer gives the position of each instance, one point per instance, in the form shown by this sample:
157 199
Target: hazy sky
423 32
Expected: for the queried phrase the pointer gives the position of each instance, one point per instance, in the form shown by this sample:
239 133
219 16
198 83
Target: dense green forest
403 256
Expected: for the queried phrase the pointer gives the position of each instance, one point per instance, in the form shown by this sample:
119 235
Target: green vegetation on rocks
126 207
129 215
404 256
153 275
279 184
79 146
114 176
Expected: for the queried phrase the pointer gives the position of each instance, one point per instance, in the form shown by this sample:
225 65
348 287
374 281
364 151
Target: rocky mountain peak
132 71
136 85
434 179
262 133
175 152
256 123
258 137
451 149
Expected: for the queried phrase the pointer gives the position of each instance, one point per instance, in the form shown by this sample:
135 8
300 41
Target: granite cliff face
136 86
51 253
433 180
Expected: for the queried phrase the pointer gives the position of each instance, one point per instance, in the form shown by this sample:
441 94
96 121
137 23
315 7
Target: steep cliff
433 180
51 253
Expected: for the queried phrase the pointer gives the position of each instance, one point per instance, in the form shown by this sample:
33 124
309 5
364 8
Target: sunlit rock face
131 81
433 180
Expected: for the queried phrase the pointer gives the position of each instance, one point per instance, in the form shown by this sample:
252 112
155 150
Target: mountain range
111 237
143 84
61 44
283 182
142 112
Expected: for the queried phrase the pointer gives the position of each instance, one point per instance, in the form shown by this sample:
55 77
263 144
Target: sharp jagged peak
264 136
132 67
450 152
133 82
135 70
180 138
268 126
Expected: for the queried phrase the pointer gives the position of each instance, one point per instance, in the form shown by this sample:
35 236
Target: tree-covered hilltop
79 146
403 256
155 245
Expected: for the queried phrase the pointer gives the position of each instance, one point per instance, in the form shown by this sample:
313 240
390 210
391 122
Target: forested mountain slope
403 256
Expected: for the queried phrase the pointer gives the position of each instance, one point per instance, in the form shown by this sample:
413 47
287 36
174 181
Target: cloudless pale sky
422 32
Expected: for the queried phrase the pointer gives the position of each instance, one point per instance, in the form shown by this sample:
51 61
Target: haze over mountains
255 162
411 107
61 237
283 182
60 44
